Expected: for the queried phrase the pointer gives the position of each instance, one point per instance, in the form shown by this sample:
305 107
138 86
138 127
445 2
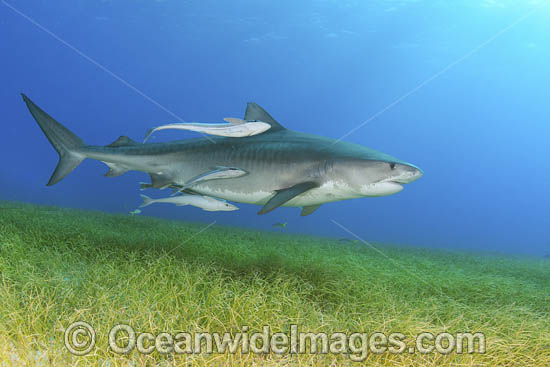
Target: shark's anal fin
284 195
307 210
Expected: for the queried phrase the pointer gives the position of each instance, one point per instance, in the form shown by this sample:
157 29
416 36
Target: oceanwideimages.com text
124 339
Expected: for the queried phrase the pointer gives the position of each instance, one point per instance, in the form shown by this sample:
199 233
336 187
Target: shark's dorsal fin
122 141
255 112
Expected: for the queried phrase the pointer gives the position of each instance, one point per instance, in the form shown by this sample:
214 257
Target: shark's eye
392 166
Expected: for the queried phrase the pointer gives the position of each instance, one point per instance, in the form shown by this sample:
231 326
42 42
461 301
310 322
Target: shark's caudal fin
67 144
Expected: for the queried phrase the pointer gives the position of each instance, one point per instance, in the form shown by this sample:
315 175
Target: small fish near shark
204 202
215 174
280 225
236 128
284 167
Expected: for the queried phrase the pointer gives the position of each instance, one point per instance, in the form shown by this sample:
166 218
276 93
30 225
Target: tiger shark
285 168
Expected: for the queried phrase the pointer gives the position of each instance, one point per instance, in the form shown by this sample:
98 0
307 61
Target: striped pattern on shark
285 168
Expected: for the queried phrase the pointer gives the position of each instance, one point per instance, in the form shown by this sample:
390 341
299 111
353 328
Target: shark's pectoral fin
115 170
284 195
307 210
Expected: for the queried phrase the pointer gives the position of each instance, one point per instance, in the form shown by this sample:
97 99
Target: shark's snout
407 173
404 173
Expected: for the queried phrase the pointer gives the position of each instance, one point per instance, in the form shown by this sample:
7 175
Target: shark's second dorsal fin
255 112
122 141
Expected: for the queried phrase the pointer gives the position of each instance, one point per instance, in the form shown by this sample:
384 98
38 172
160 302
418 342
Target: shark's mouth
395 185
395 180
402 179
382 188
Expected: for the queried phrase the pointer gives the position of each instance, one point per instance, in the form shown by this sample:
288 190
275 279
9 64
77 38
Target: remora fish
285 168
145 186
215 174
279 224
204 202
236 128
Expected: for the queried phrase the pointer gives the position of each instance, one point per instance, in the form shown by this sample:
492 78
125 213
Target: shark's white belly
327 192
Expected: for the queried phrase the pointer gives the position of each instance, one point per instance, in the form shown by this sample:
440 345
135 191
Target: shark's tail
68 145
146 200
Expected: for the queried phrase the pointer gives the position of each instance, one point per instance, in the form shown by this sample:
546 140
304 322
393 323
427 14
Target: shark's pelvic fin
160 181
307 210
68 145
122 141
115 170
255 112
284 195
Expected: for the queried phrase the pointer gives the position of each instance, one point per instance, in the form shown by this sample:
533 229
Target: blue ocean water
460 89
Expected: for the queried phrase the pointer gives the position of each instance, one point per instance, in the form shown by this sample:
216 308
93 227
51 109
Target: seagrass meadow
58 266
